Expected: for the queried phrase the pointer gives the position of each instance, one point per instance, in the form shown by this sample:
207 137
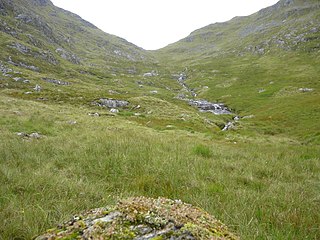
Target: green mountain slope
73 62
287 25
264 65
64 36
87 118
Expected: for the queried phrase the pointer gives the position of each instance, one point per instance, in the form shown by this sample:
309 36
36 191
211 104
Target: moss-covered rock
142 218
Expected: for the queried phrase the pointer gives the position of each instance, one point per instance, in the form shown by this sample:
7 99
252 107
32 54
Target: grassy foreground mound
142 218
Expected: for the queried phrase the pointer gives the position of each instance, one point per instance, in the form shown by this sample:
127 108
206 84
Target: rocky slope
40 34
287 25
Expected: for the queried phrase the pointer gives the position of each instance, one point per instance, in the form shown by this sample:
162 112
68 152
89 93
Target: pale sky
153 24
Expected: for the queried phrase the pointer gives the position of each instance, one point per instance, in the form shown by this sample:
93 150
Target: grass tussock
259 189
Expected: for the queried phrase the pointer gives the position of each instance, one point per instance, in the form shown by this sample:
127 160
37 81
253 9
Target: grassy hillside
262 187
264 65
62 153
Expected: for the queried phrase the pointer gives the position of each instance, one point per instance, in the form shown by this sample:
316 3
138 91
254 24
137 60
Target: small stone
17 79
113 92
35 135
154 92
37 88
22 134
228 126
94 114
114 110
305 89
17 113
150 74
248 117
236 118
28 93
42 99
111 103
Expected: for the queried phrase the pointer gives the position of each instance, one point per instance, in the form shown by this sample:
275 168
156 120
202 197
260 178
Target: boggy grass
260 189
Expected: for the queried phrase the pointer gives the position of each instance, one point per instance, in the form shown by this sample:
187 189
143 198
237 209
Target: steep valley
226 119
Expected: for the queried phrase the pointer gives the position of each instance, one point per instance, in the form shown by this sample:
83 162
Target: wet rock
181 80
142 218
111 103
215 108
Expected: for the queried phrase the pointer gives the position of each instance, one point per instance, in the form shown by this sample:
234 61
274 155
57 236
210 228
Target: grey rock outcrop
111 103
305 89
33 135
71 57
114 110
37 88
22 64
228 126
55 81
142 218
153 73
215 108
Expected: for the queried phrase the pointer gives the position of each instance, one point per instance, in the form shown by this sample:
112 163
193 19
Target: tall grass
261 189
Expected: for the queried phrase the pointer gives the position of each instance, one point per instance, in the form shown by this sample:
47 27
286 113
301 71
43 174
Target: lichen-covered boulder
142 218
